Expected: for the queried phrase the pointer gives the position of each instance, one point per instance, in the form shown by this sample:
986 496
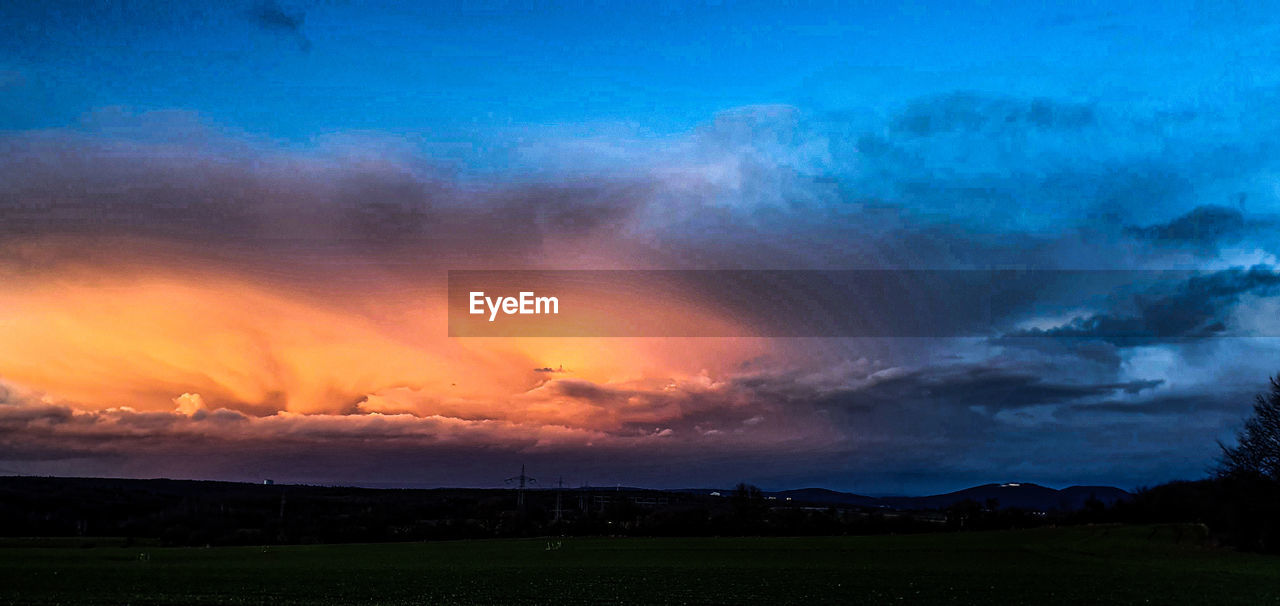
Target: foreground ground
1120 565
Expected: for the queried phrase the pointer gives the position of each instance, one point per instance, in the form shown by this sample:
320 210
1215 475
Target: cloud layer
181 298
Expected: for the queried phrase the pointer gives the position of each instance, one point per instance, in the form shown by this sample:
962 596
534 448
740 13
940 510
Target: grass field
1120 565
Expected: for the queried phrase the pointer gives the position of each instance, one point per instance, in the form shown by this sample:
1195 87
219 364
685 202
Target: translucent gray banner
1103 304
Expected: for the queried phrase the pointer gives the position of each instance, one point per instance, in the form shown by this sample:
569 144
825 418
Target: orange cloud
211 340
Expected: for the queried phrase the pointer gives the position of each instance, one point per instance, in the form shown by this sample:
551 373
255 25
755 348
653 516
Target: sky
225 231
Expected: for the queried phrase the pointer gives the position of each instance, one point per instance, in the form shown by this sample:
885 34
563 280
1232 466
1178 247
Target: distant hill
1109 495
811 496
1016 495
823 495
1013 495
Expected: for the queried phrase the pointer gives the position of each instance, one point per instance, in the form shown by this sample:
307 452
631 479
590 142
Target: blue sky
459 70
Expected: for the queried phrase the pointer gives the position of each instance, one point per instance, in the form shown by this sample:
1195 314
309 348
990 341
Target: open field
1120 565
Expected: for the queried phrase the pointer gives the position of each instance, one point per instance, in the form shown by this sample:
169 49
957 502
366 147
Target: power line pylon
524 481
559 488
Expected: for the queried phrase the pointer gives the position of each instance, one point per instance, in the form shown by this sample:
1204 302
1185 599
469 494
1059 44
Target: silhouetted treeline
1241 504
1241 512
223 513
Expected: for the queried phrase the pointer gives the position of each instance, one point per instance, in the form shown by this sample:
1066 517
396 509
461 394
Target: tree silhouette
748 505
1257 449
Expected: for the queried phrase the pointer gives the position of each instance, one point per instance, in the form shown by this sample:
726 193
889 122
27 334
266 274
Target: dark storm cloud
966 111
1203 227
993 388
895 399
687 411
957 181
1066 177
1196 307
808 194
1231 400
271 16
586 390
217 194
387 445
22 417
1084 352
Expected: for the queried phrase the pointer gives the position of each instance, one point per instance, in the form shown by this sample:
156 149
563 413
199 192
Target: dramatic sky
225 230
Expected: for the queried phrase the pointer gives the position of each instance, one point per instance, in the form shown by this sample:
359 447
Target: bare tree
1257 449
748 502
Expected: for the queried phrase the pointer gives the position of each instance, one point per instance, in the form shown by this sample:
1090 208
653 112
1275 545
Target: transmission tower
559 488
523 480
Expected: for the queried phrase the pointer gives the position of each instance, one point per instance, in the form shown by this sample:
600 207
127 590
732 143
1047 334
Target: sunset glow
227 253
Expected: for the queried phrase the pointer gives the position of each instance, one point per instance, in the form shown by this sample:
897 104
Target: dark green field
1121 565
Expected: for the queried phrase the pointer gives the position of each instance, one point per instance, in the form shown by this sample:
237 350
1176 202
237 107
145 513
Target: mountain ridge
1008 495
